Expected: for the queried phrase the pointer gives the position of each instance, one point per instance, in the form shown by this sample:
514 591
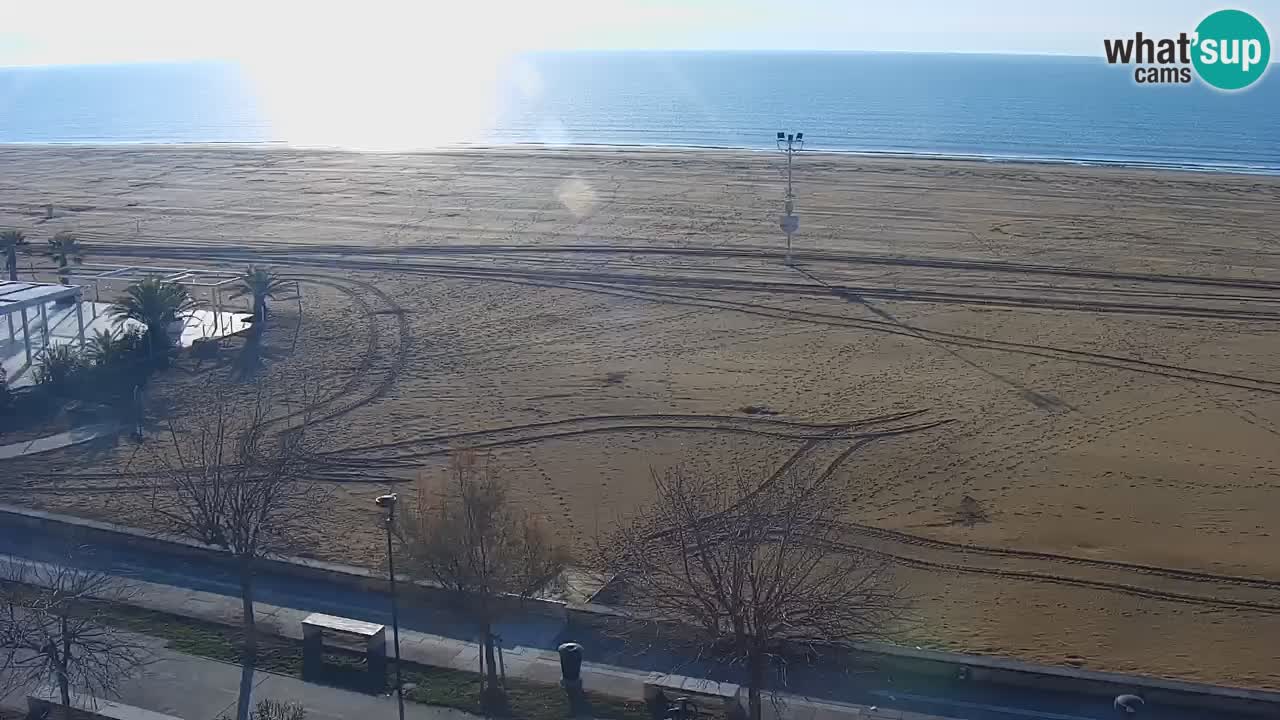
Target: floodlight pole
791 197
790 143
790 152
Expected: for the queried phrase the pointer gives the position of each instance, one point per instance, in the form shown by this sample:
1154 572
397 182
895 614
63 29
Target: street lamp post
388 501
790 144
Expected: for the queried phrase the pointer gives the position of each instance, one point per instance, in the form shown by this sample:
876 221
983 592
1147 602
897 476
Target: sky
285 33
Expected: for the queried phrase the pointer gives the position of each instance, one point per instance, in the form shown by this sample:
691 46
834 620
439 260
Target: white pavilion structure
26 309
39 315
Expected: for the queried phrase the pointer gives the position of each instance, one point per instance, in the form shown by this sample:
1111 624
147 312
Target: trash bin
571 665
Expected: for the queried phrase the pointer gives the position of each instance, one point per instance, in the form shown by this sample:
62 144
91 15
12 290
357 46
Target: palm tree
10 241
154 303
260 283
104 349
65 249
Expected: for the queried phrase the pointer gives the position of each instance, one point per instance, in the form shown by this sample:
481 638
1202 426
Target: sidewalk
196 688
57 441
166 687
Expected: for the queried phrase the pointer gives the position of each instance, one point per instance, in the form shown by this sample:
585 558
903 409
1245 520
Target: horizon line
526 51
530 51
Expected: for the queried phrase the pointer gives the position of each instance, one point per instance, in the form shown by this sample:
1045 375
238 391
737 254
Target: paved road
959 699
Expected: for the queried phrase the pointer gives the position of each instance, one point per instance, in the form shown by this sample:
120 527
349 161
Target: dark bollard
571 674
571 665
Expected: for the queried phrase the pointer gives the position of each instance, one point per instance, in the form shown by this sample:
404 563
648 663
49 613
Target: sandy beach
1089 354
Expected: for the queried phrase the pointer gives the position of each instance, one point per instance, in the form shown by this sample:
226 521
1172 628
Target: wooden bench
660 690
371 638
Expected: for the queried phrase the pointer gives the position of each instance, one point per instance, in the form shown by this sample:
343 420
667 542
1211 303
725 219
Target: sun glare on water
387 75
383 103
402 80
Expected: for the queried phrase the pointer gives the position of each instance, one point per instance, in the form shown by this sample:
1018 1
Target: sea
996 107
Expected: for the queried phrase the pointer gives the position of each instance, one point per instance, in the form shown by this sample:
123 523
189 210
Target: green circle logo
1232 49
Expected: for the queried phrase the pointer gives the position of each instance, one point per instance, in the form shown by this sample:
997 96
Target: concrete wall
1003 671
82 531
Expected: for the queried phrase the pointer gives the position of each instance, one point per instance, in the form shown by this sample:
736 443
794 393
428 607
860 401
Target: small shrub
272 710
970 512
143 357
137 350
105 350
58 367
135 341
114 364
6 397
205 348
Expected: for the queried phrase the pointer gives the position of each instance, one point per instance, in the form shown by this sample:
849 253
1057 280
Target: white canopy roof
14 296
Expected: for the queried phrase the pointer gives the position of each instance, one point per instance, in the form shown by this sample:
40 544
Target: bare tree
748 571
236 479
52 628
480 548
